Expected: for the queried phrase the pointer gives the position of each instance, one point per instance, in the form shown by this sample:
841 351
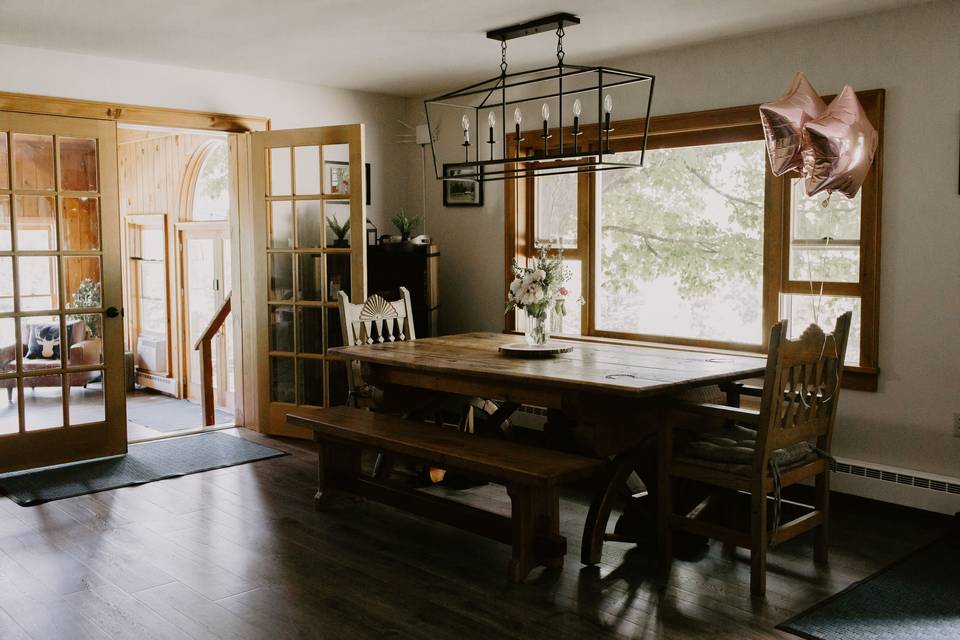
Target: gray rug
916 598
143 463
166 414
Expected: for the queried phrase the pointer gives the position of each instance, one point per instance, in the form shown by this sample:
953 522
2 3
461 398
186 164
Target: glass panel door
61 337
308 204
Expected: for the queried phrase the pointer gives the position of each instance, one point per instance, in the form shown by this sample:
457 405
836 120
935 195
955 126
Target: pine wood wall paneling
153 167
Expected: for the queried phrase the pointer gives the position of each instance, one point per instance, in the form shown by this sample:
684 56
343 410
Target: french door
61 335
307 185
205 263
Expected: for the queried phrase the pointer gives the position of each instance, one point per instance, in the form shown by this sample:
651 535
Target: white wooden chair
375 321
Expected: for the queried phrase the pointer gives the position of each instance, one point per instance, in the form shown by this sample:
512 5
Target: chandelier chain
503 57
560 53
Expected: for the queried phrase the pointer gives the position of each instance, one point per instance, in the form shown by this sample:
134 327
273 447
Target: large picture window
704 247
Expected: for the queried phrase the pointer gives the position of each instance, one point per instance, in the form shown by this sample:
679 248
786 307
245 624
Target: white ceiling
402 47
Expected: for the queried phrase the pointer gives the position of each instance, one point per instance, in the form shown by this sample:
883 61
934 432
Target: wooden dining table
602 400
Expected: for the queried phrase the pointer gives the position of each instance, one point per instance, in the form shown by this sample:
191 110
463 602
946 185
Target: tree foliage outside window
681 244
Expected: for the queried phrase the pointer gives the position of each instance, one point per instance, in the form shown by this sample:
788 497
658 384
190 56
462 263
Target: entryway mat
915 598
146 462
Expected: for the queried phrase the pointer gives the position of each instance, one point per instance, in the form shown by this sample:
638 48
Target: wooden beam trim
131 114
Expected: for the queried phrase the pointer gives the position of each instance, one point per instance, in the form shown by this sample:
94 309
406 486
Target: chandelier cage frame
496 95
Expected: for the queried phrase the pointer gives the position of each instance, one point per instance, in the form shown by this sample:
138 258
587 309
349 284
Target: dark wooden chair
756 452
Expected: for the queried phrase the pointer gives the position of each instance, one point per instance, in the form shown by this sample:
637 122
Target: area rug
917 597
146 462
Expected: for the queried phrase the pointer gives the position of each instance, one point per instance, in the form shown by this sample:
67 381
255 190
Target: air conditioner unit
152 354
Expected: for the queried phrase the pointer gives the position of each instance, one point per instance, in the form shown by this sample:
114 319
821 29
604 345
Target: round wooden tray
524 350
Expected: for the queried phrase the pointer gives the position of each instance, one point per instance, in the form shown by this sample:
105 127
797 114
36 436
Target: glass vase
538 328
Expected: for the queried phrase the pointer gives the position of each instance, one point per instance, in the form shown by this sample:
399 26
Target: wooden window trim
733 124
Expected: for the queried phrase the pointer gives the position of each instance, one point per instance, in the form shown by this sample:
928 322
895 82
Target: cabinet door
307 185
61 331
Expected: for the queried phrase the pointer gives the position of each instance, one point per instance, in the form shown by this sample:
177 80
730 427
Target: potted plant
87 296
339 231
405 225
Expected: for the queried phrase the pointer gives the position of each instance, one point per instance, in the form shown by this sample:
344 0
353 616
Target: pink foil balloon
783 122
839 147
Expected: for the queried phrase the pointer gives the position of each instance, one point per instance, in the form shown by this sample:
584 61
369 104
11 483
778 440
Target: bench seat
530 474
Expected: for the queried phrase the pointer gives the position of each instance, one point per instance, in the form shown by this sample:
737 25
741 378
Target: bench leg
337 467
536 539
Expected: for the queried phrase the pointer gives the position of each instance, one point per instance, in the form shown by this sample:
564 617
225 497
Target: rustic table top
607 368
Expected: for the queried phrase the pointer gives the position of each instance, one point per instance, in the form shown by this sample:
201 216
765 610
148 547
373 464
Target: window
704 247
211 195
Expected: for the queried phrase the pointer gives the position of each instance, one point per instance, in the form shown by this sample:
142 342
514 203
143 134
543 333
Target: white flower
531 295
515 287
539 275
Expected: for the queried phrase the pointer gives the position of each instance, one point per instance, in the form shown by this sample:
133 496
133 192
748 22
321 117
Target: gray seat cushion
734 449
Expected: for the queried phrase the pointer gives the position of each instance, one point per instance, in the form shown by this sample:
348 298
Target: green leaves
404 224
694 214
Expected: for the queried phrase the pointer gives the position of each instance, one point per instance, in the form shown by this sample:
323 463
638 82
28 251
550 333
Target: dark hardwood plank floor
240 553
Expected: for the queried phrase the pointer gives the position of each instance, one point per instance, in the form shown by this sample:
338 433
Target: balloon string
818 297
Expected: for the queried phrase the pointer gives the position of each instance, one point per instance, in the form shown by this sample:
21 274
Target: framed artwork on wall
339 177
462 193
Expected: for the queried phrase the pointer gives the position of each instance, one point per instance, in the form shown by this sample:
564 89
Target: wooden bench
531 476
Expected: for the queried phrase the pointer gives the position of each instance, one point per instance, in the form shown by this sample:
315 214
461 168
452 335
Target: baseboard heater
899 486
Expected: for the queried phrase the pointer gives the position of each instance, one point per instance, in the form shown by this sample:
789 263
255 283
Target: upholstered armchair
82 350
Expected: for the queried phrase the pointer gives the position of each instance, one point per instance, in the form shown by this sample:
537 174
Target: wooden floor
240 553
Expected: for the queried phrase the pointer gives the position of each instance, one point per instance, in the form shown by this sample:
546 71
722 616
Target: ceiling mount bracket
540 25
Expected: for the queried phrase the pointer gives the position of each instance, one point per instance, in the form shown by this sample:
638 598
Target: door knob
113 312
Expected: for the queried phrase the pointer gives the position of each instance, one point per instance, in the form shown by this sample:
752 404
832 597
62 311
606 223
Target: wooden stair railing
204 346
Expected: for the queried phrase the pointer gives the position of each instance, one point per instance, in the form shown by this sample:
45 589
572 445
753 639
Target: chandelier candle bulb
577 110
545 113
465 124
517 119
491 122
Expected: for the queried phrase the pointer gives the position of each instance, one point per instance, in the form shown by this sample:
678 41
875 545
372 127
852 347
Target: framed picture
462 193
367 180
338 176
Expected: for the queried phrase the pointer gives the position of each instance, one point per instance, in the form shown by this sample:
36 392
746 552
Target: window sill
854 378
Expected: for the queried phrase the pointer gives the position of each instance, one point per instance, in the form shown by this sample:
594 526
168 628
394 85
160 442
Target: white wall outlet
956 425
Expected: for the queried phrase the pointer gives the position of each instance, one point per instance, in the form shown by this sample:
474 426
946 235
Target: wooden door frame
246 411
218 230
132 288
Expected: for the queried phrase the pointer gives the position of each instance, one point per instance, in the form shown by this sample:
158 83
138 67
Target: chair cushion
734 449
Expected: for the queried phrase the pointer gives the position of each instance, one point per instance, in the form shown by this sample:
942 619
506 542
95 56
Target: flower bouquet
538 289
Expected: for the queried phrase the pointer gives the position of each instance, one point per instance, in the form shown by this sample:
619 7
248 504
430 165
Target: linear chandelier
572 106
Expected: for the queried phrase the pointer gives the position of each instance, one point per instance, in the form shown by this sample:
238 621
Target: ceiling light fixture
575 105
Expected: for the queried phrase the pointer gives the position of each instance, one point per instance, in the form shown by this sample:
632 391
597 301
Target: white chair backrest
376 320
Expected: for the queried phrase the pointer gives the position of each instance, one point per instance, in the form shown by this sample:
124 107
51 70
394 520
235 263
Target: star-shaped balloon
783 122
839 147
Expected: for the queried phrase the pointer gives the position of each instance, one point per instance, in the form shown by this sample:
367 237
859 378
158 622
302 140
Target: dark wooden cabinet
416 267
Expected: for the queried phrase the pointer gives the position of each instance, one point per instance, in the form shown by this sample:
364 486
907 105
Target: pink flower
563 291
